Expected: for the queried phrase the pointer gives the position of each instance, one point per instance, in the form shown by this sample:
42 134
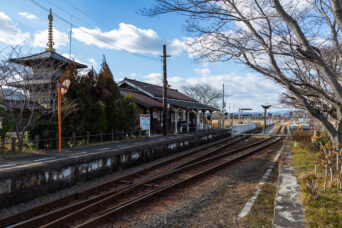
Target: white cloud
176 47
128 38
92 62
249 90
28 15
41 38
73 58
153 78
9 33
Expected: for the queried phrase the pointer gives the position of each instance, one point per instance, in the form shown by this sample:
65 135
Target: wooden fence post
3 143
36 142
13 139
73 139
88 137
57 141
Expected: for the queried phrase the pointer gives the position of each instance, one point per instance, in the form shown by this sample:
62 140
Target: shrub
46 129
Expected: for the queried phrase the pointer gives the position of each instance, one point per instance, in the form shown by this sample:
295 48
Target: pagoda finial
50 36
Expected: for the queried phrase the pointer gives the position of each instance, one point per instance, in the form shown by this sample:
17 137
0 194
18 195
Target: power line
86 14
64 10
90 34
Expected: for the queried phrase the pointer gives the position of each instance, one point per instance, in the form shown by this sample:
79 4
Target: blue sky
132 44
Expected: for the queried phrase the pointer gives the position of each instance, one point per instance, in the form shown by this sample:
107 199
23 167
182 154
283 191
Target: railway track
26 218
100 213
99 209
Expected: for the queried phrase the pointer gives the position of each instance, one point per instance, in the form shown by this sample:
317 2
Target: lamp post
265 110
62 88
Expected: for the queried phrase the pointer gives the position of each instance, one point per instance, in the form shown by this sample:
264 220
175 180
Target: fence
11 143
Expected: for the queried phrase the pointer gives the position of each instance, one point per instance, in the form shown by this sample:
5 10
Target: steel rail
111 211
18 218
88 209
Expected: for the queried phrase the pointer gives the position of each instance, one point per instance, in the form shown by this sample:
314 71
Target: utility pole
223 105
164 56
265 111
70 38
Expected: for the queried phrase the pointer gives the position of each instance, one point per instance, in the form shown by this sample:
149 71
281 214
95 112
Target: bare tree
205 94
28 94
297 44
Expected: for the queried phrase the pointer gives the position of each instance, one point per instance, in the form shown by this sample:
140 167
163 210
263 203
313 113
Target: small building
184 113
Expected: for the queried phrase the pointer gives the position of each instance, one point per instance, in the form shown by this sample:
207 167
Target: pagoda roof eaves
44 56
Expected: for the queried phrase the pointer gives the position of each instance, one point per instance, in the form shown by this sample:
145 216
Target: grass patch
326 209
261 214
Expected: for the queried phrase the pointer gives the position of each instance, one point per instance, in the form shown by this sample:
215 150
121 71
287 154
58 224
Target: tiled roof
190 105
141 99
157 91
22 105
175 98
47 55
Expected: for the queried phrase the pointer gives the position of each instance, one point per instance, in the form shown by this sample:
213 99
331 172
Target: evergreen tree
98 105
7 123
109 93
128 113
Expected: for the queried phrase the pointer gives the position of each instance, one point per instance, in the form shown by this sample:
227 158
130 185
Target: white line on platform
248 206
2 166
44 159
22 166
84 152
104 148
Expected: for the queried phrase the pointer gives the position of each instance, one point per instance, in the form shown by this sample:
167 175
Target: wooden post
211 120
36 142
204 121
3 142
13 139
73 139
88 137
57 140
59 120
101 136
197 120
187 121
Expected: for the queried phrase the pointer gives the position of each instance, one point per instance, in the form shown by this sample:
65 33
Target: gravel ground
214 201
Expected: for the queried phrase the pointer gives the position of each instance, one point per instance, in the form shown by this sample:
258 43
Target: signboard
145 122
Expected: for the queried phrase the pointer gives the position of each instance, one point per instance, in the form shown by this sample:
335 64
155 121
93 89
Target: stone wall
31 182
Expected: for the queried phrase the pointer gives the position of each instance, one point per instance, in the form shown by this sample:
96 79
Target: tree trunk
326 177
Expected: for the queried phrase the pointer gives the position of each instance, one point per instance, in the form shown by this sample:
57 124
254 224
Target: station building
184 113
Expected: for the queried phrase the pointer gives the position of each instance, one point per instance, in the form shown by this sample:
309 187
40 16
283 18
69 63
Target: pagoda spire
50 36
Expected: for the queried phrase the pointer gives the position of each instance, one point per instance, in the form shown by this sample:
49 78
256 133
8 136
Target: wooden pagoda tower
47 68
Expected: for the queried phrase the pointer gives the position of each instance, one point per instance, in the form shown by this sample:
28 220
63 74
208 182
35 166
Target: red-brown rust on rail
101 218
120 206
84 194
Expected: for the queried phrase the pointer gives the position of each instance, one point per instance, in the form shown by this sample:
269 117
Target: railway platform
28 177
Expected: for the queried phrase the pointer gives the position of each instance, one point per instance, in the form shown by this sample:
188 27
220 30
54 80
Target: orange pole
59 121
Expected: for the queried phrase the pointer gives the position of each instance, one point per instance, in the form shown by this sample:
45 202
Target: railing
10 144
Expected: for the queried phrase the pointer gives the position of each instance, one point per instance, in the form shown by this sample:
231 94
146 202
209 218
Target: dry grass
262 211
324 210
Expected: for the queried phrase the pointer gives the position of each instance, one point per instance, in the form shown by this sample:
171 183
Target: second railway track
142 186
